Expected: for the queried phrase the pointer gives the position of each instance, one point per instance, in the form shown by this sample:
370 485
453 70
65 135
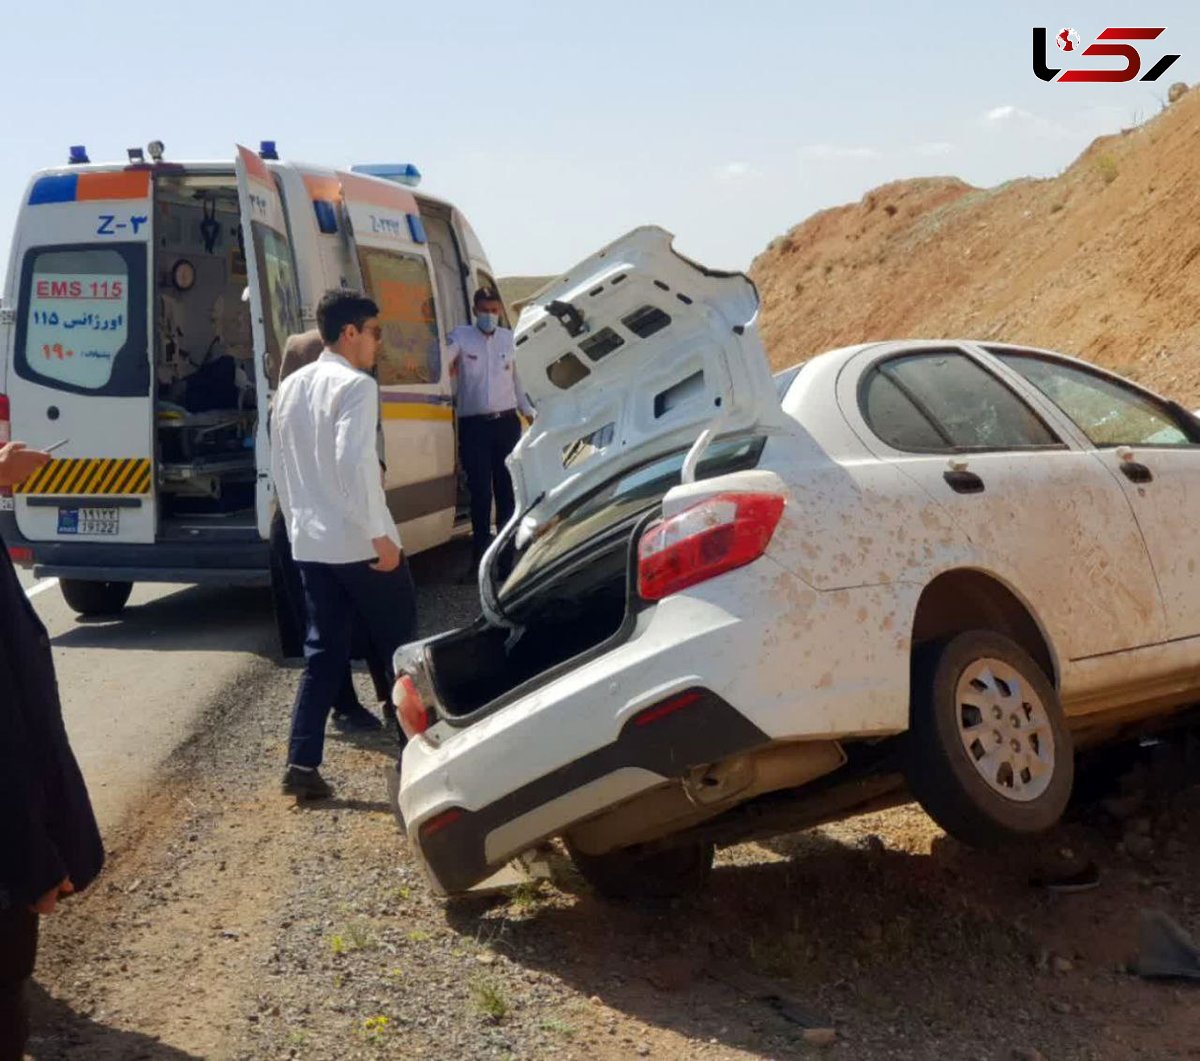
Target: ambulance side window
401 286
280 292
81 320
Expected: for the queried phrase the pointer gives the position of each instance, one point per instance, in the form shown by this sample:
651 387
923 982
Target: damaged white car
740 606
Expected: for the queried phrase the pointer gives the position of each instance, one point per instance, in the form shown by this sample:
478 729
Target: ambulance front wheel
95 598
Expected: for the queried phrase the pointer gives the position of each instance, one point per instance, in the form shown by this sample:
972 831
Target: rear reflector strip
668 707
20 554
439 822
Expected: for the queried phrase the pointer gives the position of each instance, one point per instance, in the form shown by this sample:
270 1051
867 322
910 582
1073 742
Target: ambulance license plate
89 520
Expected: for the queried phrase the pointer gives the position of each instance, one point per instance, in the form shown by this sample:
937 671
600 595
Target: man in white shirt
343 537
482 357
291 613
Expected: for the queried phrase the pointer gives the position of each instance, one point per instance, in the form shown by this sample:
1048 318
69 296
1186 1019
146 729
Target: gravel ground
231 923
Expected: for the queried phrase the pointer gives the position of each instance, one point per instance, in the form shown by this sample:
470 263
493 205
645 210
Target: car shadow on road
195 619
58 1031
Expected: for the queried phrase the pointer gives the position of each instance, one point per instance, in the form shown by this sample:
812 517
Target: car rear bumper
600 732
459 847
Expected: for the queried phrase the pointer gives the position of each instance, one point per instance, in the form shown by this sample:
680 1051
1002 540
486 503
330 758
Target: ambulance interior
205 385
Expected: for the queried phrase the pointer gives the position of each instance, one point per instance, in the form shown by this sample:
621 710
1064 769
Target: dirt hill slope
1102 261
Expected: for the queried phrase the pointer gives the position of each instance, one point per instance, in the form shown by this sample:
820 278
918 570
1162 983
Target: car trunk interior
568 589
205 411
583 607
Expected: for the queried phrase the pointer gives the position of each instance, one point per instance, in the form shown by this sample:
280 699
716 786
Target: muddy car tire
95 598
989 755
627 874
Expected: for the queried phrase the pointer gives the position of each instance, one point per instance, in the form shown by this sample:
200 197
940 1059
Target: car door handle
963 482
1136 472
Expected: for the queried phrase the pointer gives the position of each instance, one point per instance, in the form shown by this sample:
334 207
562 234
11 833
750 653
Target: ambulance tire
95 598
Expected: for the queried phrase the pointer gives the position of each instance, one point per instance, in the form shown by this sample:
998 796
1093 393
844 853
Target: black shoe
359 720
305 784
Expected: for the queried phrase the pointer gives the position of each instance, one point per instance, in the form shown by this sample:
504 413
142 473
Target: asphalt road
134 687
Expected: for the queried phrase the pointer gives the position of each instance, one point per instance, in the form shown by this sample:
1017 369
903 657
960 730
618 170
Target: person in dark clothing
49 842
292 620
488 396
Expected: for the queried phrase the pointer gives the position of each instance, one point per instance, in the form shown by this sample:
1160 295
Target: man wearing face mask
489 395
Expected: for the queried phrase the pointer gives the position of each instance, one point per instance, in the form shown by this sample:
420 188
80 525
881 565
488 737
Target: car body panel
812 641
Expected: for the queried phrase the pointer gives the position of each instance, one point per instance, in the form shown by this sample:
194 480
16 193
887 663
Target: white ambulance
142 324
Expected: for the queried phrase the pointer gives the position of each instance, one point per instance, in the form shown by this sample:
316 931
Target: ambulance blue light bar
78 156
400 172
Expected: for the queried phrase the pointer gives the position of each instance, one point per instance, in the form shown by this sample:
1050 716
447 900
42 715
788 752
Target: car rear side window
1108 412
942 401
895 419
81 320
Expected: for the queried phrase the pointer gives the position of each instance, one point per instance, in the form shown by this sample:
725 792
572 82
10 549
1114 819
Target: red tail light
410 708
711 537
20 554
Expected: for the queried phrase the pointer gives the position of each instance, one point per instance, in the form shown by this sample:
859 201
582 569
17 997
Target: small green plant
418 936
488 996
403 893
1106 166
559 1027
360 935
375 1028
298 1037
526 895
357 936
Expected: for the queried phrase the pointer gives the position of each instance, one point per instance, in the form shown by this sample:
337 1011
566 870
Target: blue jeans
335 595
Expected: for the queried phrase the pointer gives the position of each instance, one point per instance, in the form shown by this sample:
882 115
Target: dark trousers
18 949
335 594
292 620
482 446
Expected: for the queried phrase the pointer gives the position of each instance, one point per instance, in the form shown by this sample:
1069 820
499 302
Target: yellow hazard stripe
91 475
396 411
